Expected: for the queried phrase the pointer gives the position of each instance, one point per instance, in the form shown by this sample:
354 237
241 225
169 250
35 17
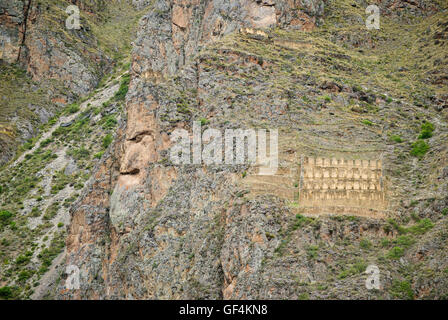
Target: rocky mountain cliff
46 66
142 227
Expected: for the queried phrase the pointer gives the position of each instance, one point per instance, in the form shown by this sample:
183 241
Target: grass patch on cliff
47 255
357 267
107 140
395 253
420 227
116 28
22 195
124 87
402 290
300 221
17 93
427 130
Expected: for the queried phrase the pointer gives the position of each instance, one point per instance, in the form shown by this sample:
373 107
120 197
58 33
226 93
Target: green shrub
45 143
106 104
300 221
365 244
51 211
396 138
421 227
99 155
402 290
405 241
73 108
79 186
61 131
60 180
395 253
304 296
53 121
25 275
5 215
367 122
124 87
385 242
312 251
357 88
5 218
48 254
419 148
107 140
6 293
79 154
110 122
35 212
23 260
204 121
28 145
358 267
426 130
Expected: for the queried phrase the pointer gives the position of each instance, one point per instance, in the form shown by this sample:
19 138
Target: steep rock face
415 7
12 17
37 43
47 55
63 64
171 34
181 238
145 228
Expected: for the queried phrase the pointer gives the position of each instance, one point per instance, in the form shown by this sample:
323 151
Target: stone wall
356 186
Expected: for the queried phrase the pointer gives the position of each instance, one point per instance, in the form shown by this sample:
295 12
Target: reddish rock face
120 198
170 36
12 26
67 63
146 229
30 39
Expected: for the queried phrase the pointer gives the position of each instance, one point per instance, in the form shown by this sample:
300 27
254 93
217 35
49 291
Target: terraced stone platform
342 186
327 186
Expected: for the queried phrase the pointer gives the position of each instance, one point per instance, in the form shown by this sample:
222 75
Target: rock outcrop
147 229
12 17
362 174
65 63
172 33
45 49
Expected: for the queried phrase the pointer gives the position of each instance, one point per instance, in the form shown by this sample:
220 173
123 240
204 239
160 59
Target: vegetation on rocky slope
37 191
32 90
338 90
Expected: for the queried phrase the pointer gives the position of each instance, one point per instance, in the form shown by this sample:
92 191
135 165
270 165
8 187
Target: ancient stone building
341 186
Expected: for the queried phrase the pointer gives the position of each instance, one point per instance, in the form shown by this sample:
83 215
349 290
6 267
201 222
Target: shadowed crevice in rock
132 172
25 24
140 135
